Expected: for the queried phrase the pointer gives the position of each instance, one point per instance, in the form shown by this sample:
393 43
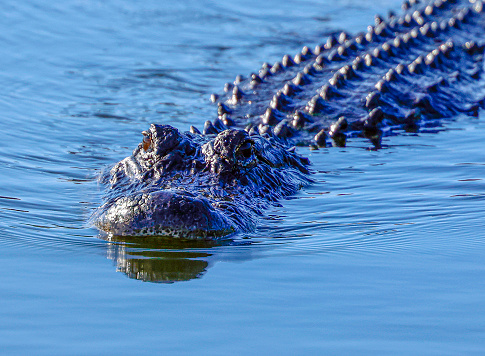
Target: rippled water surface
384 254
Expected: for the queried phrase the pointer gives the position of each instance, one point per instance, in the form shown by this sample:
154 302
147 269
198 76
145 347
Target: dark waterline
383 254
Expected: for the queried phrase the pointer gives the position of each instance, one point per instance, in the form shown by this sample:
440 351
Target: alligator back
403 71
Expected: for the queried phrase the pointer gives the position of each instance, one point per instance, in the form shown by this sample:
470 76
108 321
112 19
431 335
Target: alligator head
198 186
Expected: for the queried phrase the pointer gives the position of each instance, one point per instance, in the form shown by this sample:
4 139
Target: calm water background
384 254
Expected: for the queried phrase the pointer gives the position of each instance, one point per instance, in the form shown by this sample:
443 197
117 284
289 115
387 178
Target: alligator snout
163 213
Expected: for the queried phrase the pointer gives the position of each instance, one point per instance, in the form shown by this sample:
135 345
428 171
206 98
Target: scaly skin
405 72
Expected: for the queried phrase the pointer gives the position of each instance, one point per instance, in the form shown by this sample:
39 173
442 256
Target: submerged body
404 72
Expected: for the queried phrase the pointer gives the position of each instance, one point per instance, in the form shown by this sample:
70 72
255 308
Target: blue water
382 255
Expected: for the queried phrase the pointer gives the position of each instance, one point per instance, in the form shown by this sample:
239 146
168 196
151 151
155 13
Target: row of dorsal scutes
325 57
405 108
336 49
401 45
332 53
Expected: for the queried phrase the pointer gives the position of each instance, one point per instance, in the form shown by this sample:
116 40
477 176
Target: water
383 254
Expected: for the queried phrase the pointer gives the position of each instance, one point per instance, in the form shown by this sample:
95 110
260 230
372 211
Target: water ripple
92 89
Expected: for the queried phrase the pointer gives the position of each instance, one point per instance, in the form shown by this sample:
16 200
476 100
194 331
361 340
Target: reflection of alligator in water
403 73
150 261
166 260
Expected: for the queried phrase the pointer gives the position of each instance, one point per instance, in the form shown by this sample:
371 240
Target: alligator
405 73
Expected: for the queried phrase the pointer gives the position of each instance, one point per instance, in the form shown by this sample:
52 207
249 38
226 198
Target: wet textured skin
405 72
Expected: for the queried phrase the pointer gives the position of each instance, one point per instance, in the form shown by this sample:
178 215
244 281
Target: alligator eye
246 149
147 140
